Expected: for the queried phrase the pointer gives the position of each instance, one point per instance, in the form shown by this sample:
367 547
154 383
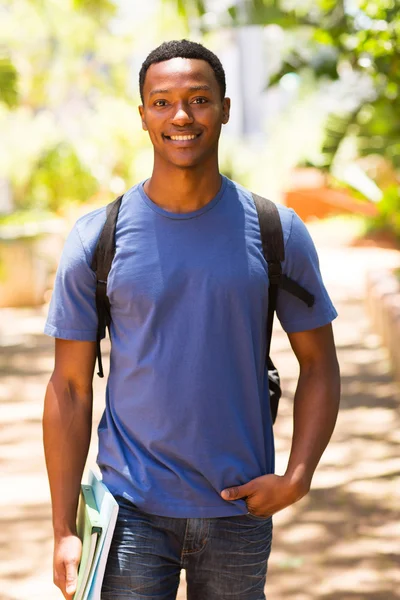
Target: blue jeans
224 558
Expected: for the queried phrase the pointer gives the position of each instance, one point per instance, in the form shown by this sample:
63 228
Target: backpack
274 253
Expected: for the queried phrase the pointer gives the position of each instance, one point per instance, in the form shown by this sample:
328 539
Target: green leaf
322 36
232 10
336 129
327 5
201 7
105 8
8 83
293 64
60 178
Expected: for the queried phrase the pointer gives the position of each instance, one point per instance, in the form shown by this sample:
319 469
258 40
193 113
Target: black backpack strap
296 290
274 252
101 265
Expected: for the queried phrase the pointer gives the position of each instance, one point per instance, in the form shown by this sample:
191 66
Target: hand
67 555
267 494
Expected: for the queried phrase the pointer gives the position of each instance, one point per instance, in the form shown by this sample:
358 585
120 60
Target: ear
141 112
226 108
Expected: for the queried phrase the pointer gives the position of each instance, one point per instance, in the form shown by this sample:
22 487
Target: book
89 529
93 562
108 509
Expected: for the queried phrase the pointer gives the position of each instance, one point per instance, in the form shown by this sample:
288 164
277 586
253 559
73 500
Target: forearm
67 423
316 406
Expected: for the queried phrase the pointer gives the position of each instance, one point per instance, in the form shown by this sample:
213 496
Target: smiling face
183 111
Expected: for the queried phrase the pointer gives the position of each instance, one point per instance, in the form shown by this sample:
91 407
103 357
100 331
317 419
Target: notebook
89 530
94 563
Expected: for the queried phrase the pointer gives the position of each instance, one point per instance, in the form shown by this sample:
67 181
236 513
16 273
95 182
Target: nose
183 115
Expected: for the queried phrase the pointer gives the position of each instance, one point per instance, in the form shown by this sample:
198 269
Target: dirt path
339 543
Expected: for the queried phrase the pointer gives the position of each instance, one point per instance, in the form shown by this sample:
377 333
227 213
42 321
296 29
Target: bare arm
67 421
316 406
316 402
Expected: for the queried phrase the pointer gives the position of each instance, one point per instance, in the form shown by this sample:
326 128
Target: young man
185 442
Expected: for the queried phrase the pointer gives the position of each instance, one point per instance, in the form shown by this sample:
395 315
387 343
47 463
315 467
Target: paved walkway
339 543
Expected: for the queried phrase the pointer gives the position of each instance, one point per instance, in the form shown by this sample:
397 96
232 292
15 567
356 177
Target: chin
186 163
185 160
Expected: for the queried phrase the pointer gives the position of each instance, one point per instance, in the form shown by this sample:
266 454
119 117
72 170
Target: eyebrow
193 88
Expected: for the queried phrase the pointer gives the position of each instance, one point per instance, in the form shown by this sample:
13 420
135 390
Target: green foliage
379 130
336 129
73 131
254 12
23 217
58 179
93 6
75 128
388 218
101 10
188 9
330 36
8 83
323 64
366 41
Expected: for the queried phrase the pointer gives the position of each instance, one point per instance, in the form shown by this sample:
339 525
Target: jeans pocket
257 518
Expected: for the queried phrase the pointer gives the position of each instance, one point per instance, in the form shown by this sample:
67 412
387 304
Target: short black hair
183 49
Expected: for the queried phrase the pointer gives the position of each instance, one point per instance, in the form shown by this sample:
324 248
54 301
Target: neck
183 190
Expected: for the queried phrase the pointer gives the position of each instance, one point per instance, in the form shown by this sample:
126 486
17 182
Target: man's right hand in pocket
67 555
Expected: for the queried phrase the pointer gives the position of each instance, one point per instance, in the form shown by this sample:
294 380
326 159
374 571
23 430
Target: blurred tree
66 109
66 78
58 174
355 42
333 39
56 17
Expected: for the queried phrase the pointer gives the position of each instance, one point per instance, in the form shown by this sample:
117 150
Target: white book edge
108 509
89 529
94 538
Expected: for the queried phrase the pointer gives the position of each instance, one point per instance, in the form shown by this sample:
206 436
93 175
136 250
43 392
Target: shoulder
289 219
88 227
296 235
87 230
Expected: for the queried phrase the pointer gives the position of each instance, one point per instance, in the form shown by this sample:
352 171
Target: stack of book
97 515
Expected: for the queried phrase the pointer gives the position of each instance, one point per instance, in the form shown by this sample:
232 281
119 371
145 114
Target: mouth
182 138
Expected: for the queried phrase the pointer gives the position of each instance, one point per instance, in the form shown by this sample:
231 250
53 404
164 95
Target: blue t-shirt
187 407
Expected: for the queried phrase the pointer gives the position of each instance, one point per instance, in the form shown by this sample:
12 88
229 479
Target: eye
160 103
200 100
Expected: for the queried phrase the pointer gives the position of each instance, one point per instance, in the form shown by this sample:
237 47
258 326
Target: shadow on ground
341 541
338 543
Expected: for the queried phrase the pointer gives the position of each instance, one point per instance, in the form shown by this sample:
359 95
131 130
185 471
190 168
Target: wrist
299 482
62 530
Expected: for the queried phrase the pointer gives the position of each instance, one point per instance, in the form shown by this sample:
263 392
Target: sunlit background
315 124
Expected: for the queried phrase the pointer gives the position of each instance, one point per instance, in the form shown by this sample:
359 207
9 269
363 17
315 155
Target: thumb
236 492
70 577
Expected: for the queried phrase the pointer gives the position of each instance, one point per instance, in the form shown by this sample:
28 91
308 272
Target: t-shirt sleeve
302 265
72 312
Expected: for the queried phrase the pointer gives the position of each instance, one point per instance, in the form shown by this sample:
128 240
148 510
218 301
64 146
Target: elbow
72 387
321 365
65 396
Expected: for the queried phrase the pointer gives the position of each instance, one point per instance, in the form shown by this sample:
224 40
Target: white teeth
182 138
